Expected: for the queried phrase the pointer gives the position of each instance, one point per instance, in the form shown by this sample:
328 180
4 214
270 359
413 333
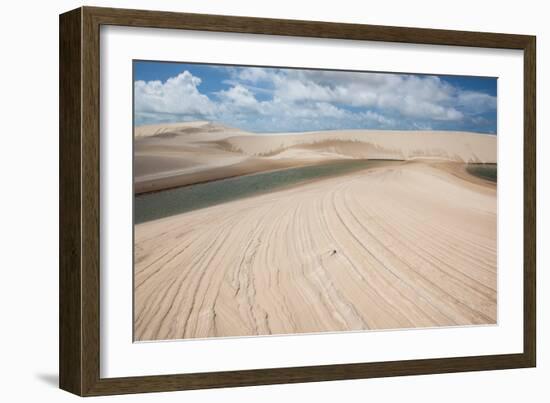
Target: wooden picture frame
79 346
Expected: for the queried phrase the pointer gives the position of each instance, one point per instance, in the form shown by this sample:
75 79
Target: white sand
376 144
178 154
404 246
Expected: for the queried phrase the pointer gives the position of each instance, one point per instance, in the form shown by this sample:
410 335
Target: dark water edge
152 206
483 171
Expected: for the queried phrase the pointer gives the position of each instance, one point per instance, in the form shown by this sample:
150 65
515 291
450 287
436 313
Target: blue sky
288 100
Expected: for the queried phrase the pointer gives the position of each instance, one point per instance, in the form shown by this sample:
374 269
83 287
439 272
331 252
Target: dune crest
377 144
178 154
199 126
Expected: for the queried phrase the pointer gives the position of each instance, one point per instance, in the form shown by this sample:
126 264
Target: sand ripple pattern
404 246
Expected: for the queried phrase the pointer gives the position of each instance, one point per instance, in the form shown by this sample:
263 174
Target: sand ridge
178 154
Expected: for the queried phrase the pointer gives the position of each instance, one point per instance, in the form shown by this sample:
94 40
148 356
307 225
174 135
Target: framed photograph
249 201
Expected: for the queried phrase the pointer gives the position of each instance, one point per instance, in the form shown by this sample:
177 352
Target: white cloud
177 96
423 97
476 102
240 97
370 116
286 99
416 108
253 74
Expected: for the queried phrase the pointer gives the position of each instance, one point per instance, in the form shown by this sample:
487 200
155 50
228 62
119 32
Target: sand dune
212 130
412 245
377 144
178 154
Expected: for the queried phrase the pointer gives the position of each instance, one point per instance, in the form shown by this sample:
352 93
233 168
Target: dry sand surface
178 154
401 246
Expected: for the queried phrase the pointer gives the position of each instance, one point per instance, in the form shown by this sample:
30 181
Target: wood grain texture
79 200
530 203
316 29
70 274
90 201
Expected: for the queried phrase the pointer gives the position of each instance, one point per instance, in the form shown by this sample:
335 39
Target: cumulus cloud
178 96
266 99
423 97
240 97
253 75
476 101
